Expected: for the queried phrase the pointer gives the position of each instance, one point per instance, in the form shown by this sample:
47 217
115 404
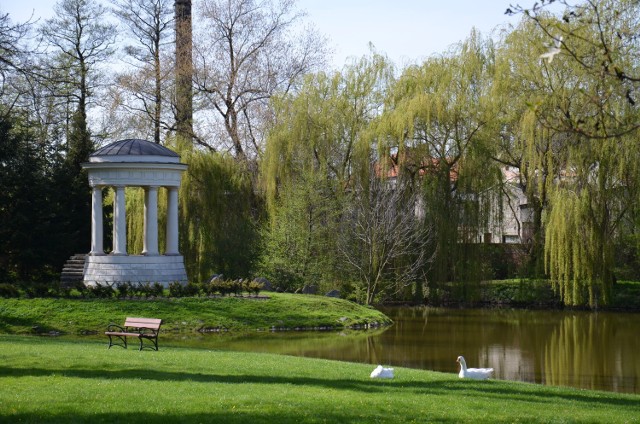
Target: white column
119 223
96 221
172 221
150 221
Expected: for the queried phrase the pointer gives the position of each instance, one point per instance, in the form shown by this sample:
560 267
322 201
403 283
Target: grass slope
45 380
74 316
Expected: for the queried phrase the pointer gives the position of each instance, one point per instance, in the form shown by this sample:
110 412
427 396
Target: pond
591 350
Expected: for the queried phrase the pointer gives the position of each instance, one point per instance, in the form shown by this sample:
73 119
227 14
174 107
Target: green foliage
36 289
192 289
299 244
176 289
28 233
309 165
438 119
219 215
526 293
101 291
254 287
444 128
123 289
581 143
8 290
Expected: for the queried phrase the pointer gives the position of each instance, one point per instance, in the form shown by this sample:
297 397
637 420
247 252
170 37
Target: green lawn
44 380
75 316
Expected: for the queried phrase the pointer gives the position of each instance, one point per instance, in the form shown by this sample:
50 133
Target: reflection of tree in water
554 347
592 351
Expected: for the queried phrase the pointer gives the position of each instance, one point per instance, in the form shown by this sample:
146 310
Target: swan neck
463 365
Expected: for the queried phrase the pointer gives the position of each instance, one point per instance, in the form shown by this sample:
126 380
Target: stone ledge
110 269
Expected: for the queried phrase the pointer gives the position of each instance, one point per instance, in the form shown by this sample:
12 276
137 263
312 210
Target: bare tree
149 22
82 37
246 52
11 50
13 58
385 239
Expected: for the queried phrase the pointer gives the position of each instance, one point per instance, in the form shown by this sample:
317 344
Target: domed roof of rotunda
134 150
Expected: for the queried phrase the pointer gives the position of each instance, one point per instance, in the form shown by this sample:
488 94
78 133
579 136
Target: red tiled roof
425 166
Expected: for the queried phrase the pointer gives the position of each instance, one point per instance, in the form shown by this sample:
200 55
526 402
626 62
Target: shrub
81 287
254 287
176 289
192 289
36 289
157 289
146 289
221 286
101 291
122 289
8 290
210 288
142 289
236 287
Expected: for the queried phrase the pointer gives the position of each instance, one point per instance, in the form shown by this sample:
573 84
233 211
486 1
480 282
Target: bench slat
119 333
151 323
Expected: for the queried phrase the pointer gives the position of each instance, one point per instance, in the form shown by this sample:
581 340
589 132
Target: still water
591 350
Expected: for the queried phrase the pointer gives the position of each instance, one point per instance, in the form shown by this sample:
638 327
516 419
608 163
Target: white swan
474 373
381 372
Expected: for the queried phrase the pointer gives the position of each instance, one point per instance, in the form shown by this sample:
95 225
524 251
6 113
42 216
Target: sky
407 31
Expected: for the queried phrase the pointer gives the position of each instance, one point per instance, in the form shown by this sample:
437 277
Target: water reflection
579 349
593 351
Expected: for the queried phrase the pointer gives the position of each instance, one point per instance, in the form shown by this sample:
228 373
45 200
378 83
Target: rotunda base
114 269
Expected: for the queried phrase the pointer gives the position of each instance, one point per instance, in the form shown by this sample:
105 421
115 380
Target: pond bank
188 315
523 294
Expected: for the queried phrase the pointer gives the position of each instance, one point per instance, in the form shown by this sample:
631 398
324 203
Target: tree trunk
184 71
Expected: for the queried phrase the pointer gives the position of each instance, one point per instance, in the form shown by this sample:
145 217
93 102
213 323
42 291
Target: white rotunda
134 163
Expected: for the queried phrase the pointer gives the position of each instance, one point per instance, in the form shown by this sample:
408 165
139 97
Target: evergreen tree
26 236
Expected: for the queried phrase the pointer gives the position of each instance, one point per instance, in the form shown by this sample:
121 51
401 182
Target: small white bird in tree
553 51
473 373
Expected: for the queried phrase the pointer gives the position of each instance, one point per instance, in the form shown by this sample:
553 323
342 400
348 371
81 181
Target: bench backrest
150 323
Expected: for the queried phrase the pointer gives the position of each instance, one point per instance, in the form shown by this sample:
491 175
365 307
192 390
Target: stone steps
73 269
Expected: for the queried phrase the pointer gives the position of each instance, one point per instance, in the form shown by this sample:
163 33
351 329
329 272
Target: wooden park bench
142 328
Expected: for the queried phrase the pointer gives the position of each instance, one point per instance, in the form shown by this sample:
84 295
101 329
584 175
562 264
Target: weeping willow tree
134 204
308 170
519 89
435 126
587 210
593 111
218 217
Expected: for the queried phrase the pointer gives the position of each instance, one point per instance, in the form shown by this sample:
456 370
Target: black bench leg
122 339
154 340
